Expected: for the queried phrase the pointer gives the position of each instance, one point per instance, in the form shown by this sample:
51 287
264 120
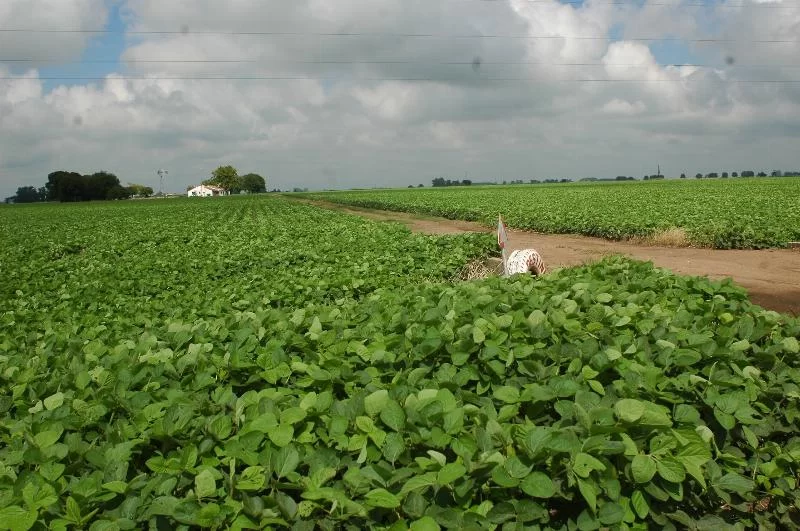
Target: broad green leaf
739 346
251 478
629 410
791 345
537 318
507 394
286 461
16 518
584 465
610 513
393 447
365 424
116 486
538 485
48 438
205 486
733 482
516 469
639 503
393 416
671 470
281 435
418 483
54 401
449 473
643 468
39 497
589 493
73 510
374 403
221 427
382 498
426 523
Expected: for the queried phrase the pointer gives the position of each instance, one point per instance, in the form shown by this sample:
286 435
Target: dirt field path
772 277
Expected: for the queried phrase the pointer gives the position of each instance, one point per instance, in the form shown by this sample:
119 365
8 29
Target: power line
393 35
357 79
473 63
781 5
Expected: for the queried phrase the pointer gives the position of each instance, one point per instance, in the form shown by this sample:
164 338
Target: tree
99 186
420 185
29 194
712 175
724 175
254 183
683 175
748 173
118 192
466 182
734 174
762 174
64 186
139 190
698 176
226 177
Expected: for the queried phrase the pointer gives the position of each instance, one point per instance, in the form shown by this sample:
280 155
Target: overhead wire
473 63
393 35
377 79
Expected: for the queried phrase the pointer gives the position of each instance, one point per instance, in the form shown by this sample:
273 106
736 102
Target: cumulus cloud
393 92
48 15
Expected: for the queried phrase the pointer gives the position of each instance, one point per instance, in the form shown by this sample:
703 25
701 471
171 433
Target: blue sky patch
100 58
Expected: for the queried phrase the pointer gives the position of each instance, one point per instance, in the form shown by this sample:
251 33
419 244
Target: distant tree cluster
653 177
69 187
29 194
227 177
438 182
608 179
745 173
138 190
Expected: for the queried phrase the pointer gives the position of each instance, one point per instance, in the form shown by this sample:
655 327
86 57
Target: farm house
206 191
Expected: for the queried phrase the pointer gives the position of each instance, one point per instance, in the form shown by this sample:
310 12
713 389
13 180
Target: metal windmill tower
161 174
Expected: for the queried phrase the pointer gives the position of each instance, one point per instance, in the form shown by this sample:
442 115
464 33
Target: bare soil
771 277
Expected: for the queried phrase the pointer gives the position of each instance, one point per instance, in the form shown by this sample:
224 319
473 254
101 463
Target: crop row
748 213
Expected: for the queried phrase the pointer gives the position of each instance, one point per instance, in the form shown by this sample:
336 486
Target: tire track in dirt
771 276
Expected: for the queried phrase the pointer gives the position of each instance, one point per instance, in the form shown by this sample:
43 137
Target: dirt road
771 277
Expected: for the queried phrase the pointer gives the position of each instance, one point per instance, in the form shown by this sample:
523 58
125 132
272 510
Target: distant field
721 213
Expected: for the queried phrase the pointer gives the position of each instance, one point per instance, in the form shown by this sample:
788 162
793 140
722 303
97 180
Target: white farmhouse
205 190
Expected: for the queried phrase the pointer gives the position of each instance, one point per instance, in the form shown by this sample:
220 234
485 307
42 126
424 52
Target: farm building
206 191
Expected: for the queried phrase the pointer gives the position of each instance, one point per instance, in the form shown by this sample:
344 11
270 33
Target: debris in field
526 261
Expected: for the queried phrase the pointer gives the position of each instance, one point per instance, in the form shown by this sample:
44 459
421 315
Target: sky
326 94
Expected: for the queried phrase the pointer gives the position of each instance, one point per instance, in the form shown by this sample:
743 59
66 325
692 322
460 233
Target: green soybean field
255 363
719 213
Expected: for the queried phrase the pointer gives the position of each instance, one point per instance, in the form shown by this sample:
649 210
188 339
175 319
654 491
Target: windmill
161 174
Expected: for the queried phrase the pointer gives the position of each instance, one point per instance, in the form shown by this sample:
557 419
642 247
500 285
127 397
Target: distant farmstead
206 191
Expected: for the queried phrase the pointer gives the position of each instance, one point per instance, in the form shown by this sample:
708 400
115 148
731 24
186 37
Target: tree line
69 187
746 173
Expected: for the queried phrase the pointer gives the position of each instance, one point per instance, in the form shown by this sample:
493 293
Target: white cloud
618 106
547 110
48 15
